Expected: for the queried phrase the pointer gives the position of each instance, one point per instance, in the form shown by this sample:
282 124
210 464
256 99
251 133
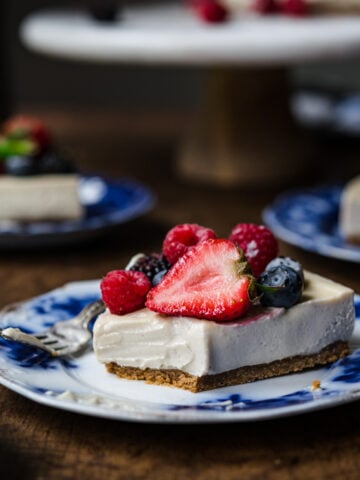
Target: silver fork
66 337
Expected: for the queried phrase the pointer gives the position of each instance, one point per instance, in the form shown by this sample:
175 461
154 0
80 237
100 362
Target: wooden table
39 442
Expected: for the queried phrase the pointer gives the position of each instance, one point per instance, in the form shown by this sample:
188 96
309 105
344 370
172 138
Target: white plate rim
140 410
338 248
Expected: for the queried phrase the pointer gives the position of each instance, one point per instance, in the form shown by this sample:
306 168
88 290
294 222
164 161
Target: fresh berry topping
287 261
258 243
282 286
181 237
23 126
151 265
124 291
266 6
19 165
210 11
54 162
12 146
210 281
158 277
296 8
49 162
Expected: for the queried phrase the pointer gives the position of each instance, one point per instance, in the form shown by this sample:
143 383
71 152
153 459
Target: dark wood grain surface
38 442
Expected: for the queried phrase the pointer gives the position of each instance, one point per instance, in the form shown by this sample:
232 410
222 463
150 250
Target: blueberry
52 162
281 286
20 165
287 261
158 277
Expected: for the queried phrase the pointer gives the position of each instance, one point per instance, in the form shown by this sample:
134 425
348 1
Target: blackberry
53 162
152 265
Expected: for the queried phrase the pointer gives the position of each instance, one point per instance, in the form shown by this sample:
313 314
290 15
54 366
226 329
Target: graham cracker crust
180 379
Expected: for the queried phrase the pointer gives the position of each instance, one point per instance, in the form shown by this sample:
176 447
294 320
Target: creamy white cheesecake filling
40 197
146 339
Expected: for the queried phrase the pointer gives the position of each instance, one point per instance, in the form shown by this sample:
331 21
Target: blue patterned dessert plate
107 204
80 384
309 219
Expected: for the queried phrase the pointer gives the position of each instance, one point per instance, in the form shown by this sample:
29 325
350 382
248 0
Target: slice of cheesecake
349 215
40 197
199 355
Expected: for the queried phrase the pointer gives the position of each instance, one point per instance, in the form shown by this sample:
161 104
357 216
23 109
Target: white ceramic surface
171 34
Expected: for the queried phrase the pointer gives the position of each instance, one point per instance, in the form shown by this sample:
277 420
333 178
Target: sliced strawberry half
209 281
30 127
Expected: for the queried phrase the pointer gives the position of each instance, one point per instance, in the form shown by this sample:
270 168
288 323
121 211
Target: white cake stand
243 132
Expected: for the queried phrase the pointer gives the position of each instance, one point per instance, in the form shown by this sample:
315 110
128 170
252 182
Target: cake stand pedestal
243 132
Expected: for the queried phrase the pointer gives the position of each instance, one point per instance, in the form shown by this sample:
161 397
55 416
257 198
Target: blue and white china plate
107 204
82 385
309 219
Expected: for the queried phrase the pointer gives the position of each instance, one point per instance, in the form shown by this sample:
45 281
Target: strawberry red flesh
209 281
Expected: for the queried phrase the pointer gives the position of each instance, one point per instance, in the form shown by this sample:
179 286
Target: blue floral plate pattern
80 384
107 204
309 219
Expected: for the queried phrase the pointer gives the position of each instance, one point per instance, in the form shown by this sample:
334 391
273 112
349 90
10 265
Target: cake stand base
243 132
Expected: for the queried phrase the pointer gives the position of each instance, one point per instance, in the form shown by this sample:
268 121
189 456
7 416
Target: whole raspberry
211 11
258 243
266 6
124 291
295 8
181 237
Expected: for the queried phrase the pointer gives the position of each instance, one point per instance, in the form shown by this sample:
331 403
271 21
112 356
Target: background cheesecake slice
38 182
40 197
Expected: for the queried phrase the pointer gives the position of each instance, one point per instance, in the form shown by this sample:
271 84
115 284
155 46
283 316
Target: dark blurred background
40 80
35 79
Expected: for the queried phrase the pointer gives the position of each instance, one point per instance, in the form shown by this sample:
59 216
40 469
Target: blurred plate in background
108 204
308 219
